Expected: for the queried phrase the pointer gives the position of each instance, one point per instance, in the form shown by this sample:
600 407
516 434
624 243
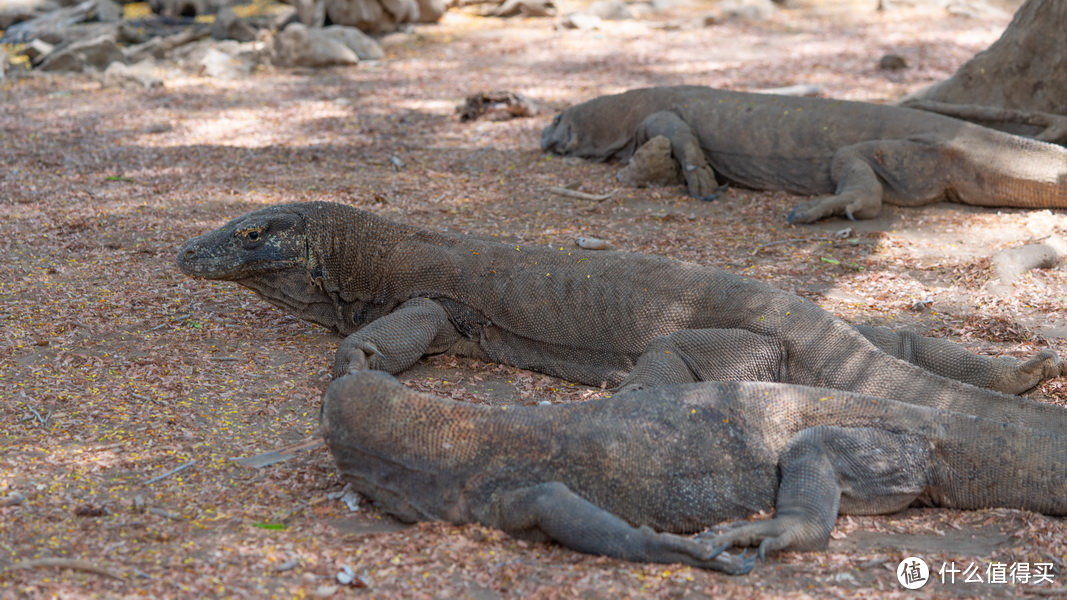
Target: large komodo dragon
861 154
400 293
678 459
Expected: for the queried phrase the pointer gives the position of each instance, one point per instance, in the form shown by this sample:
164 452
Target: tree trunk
1023 74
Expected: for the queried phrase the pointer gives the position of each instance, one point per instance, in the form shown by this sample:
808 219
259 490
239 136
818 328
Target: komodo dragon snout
257 243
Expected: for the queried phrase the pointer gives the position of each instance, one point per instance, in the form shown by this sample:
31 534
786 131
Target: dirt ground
115 368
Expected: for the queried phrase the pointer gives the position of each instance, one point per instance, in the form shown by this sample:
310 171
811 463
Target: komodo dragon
861 154
679 459
399 293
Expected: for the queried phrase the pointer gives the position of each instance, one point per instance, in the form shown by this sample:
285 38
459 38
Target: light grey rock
365 47
141 76
228 26
37 50
93 54
372 16
51 23
580 20
747 10
299 46
611 10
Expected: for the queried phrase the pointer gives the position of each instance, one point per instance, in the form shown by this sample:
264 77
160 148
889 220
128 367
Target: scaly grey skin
622 477
612 318
859 154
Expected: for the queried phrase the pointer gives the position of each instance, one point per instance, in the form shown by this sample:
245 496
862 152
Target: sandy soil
115 368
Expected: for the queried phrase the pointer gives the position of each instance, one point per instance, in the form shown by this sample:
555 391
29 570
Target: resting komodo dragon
860 154
679 459
399 293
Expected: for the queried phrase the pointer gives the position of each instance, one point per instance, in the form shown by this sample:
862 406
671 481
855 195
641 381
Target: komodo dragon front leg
951 360
685 146
904 172
394 342
553 511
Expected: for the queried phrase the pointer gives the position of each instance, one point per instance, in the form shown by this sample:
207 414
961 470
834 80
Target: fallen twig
562 191
278 455
176 469
65 563
162 512
226 358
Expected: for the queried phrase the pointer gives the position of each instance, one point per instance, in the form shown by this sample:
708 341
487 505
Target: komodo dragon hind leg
903 172
949 359
685 146
859 193
693 355
553 511
394 342
829 469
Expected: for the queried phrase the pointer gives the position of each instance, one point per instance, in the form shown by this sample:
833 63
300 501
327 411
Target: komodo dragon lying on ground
680 459
861 154
613 318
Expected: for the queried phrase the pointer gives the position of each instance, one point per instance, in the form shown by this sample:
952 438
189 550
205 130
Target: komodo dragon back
600 318
622 476
856 155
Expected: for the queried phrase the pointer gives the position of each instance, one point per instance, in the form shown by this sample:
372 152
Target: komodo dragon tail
1033 175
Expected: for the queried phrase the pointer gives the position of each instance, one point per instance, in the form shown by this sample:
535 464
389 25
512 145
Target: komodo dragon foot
1025 375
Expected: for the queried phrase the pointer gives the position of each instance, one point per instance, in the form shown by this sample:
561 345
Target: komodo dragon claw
715 195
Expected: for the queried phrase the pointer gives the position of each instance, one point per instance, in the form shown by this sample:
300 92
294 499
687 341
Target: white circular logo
913 572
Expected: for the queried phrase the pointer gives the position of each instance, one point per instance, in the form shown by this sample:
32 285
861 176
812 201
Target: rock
892 62
228 26
372 16
299 46
800 89
107 11
611 10
79 32
51 23
580 20
160 47
525 8
185 8
17 11
225 59
37 50
219 65
140 76
592 243
431 11
747 10
95 54
652 165
365 47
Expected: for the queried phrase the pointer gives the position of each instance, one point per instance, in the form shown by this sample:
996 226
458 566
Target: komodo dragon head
599 129
260 242
268 251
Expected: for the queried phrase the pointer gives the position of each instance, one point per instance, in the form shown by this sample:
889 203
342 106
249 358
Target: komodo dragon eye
251 235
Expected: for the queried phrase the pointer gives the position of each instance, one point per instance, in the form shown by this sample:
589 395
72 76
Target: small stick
65 563
162 512
757 249
176 469
561 191
227 358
